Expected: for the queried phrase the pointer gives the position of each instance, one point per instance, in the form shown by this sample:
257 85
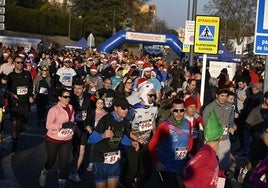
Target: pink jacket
55 118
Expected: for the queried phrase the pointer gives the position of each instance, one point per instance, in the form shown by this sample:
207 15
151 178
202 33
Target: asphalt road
22 169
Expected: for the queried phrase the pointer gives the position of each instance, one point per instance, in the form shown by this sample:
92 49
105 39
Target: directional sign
261 29
206 34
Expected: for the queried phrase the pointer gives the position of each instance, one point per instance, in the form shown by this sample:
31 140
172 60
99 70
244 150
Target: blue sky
174 12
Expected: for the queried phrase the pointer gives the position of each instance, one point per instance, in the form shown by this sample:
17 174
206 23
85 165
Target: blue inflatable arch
144 38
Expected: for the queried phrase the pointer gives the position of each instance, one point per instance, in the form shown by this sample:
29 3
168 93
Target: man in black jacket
82 107
19 83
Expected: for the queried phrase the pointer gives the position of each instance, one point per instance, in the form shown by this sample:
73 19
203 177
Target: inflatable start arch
144 38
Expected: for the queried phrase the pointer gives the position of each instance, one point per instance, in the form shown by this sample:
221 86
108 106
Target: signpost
261 35
206 41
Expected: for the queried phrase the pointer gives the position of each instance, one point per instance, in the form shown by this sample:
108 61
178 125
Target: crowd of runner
140 117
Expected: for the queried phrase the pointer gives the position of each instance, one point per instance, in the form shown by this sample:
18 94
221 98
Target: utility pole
194 8
70 20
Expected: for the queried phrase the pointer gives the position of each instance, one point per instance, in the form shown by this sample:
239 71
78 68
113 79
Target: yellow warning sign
206 39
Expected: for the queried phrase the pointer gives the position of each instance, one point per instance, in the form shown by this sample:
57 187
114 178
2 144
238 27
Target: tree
237 18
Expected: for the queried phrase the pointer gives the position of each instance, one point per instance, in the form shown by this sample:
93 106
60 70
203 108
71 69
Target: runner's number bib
111 157
22 90
65 133
180 153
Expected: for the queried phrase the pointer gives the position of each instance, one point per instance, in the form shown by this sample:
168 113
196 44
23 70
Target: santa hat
133 65
90 59
118 68
5 53
140 62
22 54
141 81
189 101
93 68
113 62
144 90
147 66
105 58
66 58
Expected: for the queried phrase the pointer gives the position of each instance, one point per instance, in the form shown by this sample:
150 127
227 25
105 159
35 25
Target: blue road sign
261 29
206 33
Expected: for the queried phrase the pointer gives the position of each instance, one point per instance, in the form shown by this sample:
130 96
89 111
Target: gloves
69 125
72 125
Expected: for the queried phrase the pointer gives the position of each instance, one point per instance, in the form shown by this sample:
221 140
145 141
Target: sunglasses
151 95
178 110
44 70
19 62
66 97
124 108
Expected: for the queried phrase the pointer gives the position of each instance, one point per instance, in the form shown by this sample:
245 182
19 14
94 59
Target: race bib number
22 90
111 157
80 116
43 90
65 133
180 153
93 89
145 126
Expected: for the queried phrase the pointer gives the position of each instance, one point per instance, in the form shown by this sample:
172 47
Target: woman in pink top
58 140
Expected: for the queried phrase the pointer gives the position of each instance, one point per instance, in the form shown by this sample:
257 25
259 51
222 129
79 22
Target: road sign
206 39
261 28
189 32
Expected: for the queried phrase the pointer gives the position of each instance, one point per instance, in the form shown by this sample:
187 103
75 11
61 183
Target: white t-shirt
66 76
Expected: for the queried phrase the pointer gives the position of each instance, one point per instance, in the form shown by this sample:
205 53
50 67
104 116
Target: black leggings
41 105
139 163
63 151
